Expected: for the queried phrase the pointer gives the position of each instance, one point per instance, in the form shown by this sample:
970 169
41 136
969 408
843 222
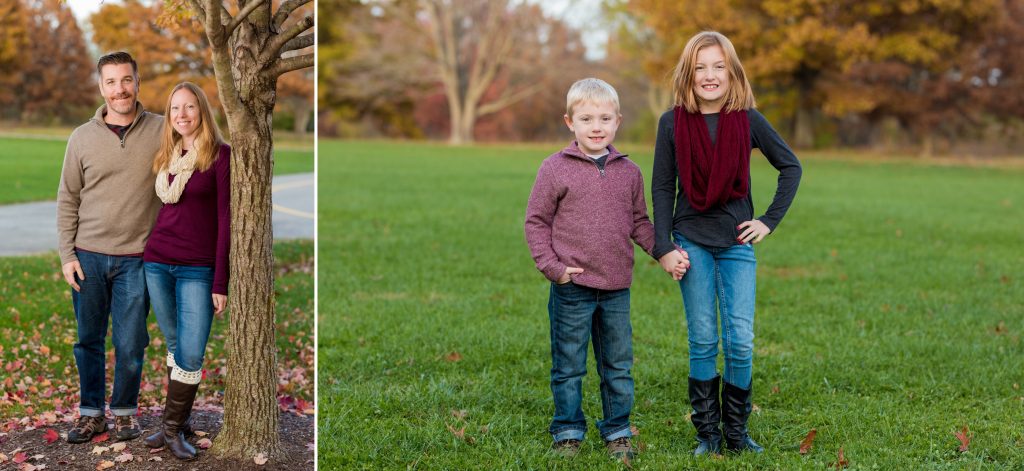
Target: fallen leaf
156 450
964 436
101 437
99 450
117 447
260 459
200 433
124 457
460 414
204 443
805 446
453 356
460 433
20 457
3 458
841 462
156 458
311 446
105 464
51 435
635 431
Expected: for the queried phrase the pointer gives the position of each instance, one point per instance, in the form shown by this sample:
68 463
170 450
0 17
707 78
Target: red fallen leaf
20 457
101 437
453 356
841 463
964 436
805 446
51 435
204 443
635 431
460 433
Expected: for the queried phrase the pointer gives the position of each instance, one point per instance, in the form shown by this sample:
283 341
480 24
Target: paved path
31 228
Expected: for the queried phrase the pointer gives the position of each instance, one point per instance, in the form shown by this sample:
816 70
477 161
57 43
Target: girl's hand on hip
752 231
220 302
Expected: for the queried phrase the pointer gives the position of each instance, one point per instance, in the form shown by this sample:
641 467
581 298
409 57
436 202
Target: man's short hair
119 57
590 90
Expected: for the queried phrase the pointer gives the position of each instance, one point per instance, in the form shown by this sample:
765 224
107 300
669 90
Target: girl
704 145
186 256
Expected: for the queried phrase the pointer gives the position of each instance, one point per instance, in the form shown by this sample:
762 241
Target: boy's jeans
578 313
114 288
727 275
183 304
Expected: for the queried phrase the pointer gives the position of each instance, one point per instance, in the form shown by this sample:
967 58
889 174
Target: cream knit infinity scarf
182 168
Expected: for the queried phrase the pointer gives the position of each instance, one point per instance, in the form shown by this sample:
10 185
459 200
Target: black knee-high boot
706 415
736 406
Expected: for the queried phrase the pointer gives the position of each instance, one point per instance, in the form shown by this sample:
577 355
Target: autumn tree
13 41
55 78
252 44
472 45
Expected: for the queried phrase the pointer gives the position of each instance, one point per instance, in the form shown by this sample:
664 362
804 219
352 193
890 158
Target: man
106 206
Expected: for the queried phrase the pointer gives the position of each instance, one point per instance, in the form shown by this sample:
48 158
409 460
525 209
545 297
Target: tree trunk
302 114
250 397
803 127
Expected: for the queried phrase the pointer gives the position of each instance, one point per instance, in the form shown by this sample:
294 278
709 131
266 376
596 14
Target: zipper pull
122 143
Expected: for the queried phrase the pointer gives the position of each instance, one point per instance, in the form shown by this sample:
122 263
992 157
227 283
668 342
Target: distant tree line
847 73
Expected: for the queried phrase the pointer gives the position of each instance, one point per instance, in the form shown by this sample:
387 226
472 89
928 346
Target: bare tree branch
286 8
300 42
283 66
507 100
211 11
240 17
273 48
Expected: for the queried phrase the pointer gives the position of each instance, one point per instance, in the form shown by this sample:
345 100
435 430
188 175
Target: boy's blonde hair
592 90
739 96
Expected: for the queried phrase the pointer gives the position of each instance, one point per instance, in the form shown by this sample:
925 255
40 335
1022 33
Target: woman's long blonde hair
208 141
738 97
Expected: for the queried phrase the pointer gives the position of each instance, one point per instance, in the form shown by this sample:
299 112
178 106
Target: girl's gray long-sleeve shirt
716 227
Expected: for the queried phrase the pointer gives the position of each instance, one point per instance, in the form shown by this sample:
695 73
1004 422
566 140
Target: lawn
889 317
32 167
38 330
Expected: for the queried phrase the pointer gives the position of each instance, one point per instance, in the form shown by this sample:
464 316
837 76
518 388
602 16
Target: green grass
889 316
32 167
37 332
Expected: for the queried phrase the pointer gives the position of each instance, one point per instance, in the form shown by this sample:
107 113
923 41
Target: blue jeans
726 277
114 288
183 304
578 313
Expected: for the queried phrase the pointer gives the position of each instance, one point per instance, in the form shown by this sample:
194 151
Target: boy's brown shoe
86 427
620 448
126 427
566 448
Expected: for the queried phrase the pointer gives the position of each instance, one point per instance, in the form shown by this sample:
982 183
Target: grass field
32 167
889 316
38 330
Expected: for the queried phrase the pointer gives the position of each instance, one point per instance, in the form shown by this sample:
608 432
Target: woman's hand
752 231
220 302
675 263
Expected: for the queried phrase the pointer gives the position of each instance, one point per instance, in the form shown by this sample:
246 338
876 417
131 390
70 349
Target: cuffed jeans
577 314
183 304
726 277
114 288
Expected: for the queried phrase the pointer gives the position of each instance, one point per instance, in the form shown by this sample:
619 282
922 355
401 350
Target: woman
704 145
186 256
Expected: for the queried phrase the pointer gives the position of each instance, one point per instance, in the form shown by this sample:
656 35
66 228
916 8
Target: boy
586 205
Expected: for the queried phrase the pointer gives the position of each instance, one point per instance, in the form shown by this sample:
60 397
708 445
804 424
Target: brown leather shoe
620 448
86 427
566 448
126 427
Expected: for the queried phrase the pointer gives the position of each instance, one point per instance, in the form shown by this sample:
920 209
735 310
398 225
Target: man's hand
70 269
565 276
752 231
220 302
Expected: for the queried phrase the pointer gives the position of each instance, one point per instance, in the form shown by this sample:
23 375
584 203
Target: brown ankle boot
180 397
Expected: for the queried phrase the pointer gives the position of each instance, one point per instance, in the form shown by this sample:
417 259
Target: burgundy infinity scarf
713 175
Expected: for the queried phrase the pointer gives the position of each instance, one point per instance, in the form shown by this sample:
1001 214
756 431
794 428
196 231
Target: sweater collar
102 111
573 150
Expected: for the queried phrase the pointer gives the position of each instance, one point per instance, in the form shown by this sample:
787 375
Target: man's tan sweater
106 202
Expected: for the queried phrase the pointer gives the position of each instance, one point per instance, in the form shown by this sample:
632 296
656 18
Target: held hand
220 302
752 231
565 278
71 269
675 263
